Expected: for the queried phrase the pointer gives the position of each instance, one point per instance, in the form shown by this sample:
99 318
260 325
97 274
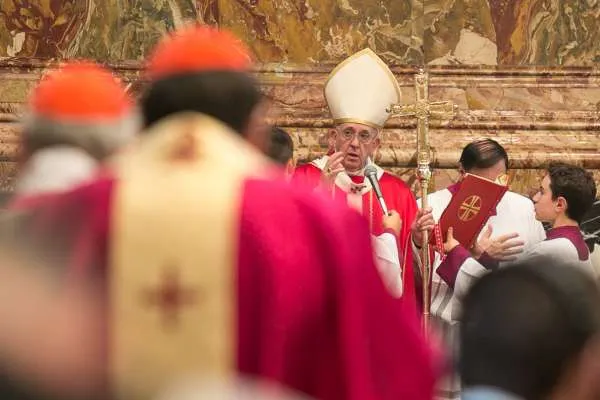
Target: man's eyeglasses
364 137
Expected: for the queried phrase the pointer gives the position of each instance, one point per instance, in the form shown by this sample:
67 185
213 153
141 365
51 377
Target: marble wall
309 32
539 115
520 71
106 30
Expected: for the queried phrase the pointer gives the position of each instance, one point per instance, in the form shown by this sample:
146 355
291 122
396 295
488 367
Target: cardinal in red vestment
78 115
208 265
358 93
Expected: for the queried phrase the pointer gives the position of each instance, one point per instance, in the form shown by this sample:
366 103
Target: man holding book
565 195
512 228
358 93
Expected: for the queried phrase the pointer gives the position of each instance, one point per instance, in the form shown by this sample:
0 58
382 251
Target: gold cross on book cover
470 208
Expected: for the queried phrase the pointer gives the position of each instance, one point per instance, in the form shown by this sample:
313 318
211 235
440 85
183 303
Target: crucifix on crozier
424 110
170 297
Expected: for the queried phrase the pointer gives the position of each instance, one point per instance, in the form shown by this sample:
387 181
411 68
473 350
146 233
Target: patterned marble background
308 32
521 71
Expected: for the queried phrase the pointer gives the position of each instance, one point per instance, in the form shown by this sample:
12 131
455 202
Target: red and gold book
470 208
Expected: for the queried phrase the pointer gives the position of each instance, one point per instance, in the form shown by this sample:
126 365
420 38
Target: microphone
371 175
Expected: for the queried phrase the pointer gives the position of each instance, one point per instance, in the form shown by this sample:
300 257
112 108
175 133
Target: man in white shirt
512 224
565 195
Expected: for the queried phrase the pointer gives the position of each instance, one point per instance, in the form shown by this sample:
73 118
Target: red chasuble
228 273
397 195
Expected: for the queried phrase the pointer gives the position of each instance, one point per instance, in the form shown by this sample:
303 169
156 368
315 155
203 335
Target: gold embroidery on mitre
173 256
340 121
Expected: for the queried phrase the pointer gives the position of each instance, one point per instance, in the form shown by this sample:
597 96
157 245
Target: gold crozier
424 110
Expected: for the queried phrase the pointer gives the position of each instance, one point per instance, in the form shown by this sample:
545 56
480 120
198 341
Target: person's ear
376 143
332 137
290 167
561 205
257 130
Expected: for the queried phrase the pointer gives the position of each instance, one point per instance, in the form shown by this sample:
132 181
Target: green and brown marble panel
547 32
308 32
282 31
107 30
459 32
512 32
313 31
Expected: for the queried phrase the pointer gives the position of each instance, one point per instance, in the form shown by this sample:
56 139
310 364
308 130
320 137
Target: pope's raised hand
332 168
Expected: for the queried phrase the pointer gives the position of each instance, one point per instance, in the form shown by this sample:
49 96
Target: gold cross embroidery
469 208
354 188
170 297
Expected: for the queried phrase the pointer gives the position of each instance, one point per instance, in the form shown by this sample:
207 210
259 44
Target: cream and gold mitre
361 89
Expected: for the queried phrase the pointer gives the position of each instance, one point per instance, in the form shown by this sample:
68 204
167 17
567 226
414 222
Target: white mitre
361 89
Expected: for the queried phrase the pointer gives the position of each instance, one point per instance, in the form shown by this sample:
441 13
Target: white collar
55 169
343 180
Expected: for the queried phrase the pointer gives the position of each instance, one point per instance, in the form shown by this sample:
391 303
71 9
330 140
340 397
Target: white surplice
55 169
387 260
563 244
514 214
